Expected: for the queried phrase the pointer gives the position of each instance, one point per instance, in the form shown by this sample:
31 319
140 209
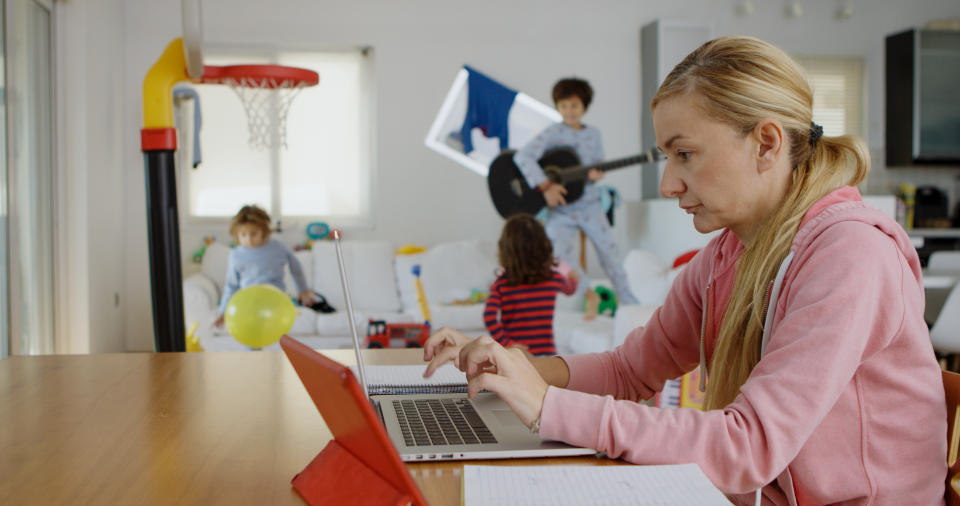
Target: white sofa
382 287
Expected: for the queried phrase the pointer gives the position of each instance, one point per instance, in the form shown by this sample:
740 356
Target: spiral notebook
408 379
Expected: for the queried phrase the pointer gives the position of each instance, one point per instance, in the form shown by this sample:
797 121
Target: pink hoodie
846 404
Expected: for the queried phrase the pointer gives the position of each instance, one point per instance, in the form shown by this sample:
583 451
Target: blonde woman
806 312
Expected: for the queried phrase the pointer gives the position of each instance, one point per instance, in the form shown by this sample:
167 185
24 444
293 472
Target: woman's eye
683 155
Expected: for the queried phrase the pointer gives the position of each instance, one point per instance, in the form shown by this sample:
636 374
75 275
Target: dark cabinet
923 97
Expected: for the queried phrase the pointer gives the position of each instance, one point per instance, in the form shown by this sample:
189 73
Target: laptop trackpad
505 416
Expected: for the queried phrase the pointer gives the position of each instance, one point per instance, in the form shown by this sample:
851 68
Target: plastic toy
476 297
380 332
317 230
608 300
421 297
259 315
193 340
410 249
198 255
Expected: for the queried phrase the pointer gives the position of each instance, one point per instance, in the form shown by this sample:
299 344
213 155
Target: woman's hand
595 174
219 322
505 372
441 347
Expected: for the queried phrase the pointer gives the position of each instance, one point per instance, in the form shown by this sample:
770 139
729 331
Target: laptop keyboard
426 422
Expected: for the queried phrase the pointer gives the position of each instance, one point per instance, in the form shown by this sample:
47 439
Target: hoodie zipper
703 341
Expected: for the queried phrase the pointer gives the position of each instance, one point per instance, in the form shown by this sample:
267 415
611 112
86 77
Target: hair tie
816 131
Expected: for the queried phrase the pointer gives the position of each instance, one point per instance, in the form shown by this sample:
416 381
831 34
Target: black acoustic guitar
511 194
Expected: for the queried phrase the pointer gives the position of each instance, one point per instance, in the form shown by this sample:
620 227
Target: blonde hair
251 216
740 81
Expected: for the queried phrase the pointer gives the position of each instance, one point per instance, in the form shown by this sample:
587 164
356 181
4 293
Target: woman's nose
671 186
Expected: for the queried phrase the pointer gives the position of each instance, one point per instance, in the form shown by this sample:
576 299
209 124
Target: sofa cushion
305 324
214 264
448 272
369 266
466 318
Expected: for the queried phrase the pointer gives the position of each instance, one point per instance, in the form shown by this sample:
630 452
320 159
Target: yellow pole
166 72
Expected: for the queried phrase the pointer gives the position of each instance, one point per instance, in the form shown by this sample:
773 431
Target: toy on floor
476 297
193 340
598 301
608 300
198 255
380 332
259 315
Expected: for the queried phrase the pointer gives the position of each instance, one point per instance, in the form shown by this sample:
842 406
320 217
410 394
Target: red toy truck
380 332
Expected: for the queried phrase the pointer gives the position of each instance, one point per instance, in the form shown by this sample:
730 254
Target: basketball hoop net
266 92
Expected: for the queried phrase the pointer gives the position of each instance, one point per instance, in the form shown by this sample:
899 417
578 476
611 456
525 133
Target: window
837 93
324 171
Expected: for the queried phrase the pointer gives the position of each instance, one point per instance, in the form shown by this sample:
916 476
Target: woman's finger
447 354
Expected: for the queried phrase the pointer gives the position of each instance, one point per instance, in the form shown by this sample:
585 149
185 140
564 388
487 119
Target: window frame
808 62
367 145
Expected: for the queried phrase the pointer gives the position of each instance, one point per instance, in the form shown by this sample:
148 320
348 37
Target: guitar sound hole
516 187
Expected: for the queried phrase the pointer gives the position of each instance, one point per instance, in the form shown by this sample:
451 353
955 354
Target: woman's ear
771 143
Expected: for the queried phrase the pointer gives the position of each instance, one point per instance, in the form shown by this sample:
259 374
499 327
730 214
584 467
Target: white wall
419 45
89 78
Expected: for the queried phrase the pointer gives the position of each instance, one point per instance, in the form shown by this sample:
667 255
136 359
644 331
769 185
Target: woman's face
714 171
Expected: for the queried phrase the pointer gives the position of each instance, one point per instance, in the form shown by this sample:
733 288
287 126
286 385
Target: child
524 294
258 259
572 97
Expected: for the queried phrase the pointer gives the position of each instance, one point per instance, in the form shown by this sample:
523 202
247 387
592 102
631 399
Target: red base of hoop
260 76
158 139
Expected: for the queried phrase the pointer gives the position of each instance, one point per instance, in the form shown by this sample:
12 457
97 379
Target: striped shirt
523 314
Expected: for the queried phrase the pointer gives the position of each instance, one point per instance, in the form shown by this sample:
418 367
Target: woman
806 313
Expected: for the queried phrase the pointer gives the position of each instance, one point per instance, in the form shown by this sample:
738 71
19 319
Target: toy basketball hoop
266 92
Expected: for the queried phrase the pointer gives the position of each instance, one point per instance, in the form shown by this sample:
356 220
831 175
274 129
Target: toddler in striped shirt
519 311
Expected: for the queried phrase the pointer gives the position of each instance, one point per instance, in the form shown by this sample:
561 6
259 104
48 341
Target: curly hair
524 251
573 87
251 215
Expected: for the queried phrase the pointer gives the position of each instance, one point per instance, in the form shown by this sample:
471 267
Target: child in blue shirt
258 259
572 97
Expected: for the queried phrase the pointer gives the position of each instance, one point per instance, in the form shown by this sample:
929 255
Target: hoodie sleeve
842 300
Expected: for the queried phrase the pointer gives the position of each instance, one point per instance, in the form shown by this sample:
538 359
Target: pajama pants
562 225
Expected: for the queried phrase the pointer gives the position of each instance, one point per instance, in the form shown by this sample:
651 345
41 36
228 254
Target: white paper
588 486
410 375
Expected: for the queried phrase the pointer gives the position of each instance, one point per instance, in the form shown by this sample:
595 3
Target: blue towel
187 92
488 107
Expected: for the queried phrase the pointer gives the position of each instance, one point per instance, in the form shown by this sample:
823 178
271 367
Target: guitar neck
579 172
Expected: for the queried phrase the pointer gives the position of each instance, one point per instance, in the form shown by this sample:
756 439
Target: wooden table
174 428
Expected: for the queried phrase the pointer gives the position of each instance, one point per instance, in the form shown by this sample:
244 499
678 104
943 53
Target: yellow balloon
259 315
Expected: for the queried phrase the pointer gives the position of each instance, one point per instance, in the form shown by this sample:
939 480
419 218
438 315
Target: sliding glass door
4 243
31 180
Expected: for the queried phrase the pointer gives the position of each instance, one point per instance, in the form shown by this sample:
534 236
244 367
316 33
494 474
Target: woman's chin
703 225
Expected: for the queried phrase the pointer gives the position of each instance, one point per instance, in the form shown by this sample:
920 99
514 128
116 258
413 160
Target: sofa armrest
201 296
629 317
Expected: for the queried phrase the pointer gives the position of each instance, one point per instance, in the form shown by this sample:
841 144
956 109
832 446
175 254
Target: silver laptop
450 426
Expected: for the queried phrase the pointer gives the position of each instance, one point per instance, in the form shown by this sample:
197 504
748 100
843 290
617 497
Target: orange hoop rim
259 76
